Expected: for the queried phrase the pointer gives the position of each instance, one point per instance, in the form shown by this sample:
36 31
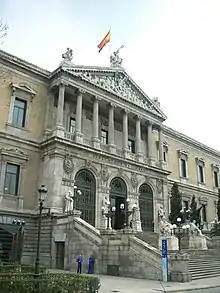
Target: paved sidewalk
111 284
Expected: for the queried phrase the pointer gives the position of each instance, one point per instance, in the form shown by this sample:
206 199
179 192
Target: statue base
136 226
198 242
172 243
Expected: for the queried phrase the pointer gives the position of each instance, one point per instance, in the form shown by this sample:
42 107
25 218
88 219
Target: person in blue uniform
79 264
91 263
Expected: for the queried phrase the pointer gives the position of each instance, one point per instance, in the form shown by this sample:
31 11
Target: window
11 179
183 168
215 175
201 174
204 218
186 204
164 156
72 125
19 113
104 136
131 146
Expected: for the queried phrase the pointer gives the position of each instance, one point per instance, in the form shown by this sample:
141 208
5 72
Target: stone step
204 268
202 275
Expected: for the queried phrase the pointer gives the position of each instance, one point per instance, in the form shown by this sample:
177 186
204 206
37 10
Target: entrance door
118 195
60 254
146 207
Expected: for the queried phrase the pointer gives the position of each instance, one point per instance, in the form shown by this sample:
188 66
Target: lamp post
77 192
18 242
186 213
42 196
180 231
110 213
127 212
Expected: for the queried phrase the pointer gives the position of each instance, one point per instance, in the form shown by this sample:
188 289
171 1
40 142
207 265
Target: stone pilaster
150 143
111 129
125 133
139 152
78 132
95 138
160 138
60 106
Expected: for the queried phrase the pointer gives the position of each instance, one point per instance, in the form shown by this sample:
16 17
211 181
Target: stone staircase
204 264
149 237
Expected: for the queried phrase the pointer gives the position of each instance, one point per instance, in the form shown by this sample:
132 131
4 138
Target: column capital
137 117
81 91
111 105
125 111
95 98
149 123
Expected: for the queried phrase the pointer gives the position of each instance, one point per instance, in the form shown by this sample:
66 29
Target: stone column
160 138
150 143
125 133
60 106
95 130
78 132
111 129
49 121
139 152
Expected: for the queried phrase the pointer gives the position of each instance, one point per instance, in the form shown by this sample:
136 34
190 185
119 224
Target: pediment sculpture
115 60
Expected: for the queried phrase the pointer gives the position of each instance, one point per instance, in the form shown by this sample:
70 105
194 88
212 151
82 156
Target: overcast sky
171 49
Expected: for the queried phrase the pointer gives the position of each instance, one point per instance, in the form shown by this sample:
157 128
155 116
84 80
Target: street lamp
110 213
186 212
42 196
180 231
18 241
77 192
125 210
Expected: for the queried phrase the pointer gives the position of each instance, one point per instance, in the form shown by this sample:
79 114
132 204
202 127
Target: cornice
31 143
100 153
194 188
190 141
24 64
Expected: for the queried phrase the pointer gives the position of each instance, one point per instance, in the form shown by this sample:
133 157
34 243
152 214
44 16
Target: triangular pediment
119 83
23 87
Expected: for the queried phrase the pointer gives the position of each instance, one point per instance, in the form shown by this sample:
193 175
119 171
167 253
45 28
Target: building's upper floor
103 109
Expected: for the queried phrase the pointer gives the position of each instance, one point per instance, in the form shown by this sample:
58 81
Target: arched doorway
146 205
85 181
118 195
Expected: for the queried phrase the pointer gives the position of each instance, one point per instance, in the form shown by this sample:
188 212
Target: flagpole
110 45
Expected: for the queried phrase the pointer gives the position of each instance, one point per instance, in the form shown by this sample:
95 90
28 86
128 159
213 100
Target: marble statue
68 55
195 231
69 201
165 226
161 212
115 60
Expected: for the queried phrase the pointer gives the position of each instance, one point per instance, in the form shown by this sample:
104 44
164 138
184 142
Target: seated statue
165 226
195 231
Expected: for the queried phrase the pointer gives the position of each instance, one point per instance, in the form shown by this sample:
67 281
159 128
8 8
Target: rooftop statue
115 60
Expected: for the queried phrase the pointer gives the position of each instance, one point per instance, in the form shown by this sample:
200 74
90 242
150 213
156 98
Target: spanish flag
104 42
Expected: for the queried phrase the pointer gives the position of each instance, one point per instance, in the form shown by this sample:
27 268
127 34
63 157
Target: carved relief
120 85
68 165
159 185
148 180
14 152
203 200
104 174
134 180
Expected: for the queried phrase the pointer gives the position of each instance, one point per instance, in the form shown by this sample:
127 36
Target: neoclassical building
94 127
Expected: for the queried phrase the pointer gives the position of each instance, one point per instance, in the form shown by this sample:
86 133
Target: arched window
146 206
85 181
118 187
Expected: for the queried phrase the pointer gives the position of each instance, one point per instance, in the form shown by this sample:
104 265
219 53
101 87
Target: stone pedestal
136 225
198 242
180 267
78 137
96 142
172 243
112 148
58 131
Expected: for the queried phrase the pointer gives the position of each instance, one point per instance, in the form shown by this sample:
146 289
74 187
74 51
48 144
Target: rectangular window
186 204
11 179
164 156
183 168
104 136
201 174
131 146
215 174
204 218
72 125
19 113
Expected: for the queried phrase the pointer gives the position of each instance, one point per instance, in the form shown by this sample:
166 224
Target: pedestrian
79 264
91 263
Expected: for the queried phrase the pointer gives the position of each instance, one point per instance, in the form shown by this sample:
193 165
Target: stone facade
99 102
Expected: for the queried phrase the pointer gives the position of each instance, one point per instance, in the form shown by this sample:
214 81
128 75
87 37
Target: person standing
91 263
79 264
